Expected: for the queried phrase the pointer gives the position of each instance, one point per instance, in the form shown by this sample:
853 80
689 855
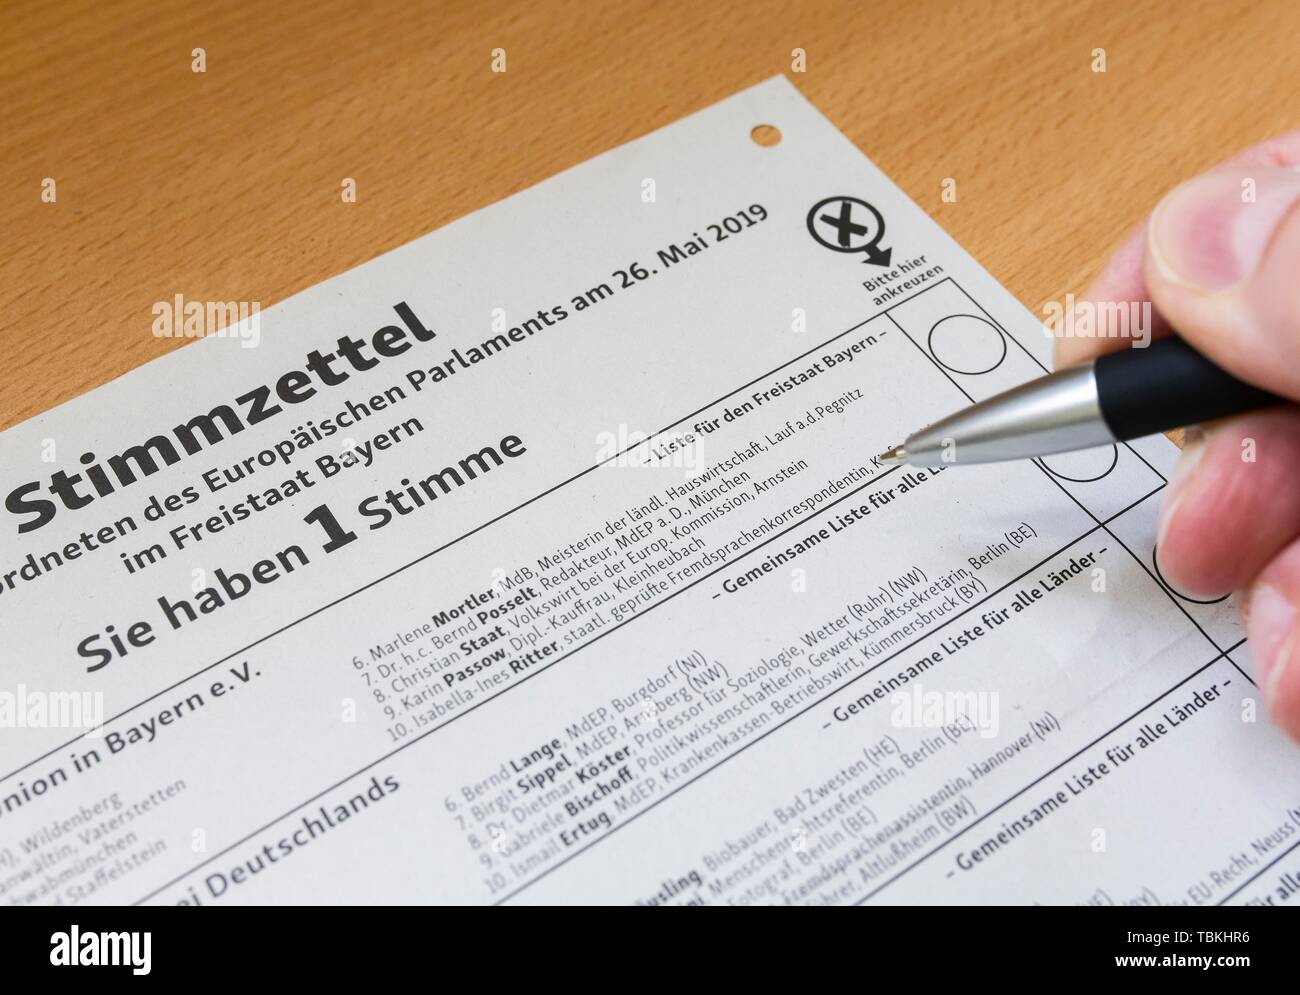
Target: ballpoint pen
1118 396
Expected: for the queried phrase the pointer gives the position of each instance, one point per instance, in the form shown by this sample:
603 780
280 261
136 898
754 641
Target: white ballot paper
546 559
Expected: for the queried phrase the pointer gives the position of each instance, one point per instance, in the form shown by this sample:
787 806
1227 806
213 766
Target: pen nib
895 456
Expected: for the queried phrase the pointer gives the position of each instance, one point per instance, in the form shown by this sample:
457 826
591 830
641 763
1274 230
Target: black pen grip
1167 385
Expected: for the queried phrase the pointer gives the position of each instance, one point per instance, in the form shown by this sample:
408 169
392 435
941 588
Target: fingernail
1194 440
1270 624
1211 232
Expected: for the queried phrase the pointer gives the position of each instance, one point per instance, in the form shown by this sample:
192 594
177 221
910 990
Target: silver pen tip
896 455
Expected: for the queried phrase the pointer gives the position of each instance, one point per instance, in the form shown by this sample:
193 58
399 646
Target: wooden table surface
225 185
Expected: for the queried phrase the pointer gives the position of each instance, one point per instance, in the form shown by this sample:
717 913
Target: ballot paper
547 559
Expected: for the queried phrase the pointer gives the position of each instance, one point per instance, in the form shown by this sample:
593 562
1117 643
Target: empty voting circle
1155 562
967 344
1084 466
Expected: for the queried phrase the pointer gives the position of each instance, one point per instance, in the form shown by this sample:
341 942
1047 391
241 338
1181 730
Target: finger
1270 611
1222 257
1124 278
1231 505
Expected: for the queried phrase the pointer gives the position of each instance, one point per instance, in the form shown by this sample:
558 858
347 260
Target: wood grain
225 185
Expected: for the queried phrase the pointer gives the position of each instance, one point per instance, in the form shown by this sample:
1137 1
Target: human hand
1219 259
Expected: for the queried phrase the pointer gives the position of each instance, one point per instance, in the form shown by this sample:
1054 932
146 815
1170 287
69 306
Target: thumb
1271 623
1223 265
